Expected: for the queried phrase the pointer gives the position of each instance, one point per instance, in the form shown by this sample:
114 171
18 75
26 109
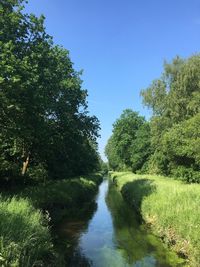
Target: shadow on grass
114 178
134 192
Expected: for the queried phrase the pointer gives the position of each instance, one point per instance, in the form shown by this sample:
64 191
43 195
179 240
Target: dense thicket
129 145
45 129
174 133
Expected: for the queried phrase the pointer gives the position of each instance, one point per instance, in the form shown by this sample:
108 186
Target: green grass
25 238
24 235
170 207
66 197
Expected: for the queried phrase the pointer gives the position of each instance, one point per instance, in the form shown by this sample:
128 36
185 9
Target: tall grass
24 237
171 207
65 198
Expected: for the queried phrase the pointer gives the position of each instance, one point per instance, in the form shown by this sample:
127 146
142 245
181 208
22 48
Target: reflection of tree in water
129 240
125 243
78 259
135 245
67 239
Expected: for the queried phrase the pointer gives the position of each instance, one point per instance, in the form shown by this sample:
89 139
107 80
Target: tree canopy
175 101
172 136
129 145
45 127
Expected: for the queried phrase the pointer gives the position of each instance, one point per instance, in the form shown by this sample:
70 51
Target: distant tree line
168 144
45 129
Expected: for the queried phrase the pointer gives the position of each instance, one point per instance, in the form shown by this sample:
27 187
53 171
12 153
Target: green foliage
124 132
168 207
129 145
64 198
186 174
103 166
175 101
140 147
46 133
44 123
181 144
25 239
113 158
24 233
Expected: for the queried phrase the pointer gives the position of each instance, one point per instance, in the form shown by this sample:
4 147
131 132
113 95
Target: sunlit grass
24 237
171 207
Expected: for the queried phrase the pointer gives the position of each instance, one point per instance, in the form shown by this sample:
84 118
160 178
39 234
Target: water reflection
113 237
67 237
136 246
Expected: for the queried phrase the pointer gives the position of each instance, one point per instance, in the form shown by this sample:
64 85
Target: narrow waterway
113 237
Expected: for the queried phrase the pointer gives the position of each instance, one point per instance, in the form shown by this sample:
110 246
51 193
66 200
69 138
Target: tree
111 154
44 122
140 148
124 130
181 144
175 102
129 145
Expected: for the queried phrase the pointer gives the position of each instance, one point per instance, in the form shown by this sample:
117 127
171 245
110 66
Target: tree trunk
25 165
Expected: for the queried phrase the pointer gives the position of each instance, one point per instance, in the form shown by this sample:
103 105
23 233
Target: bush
37 173
186 174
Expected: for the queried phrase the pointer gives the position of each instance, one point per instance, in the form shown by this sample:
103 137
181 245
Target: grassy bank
170 207
24 235
65 197
25 238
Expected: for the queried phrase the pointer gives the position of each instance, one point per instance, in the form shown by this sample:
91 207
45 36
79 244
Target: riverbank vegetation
169 207
24 235
167 144
26 219
65 198
47 137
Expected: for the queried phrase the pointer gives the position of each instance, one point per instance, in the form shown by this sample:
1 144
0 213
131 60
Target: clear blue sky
121 46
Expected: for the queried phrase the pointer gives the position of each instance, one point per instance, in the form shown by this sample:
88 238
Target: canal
112 236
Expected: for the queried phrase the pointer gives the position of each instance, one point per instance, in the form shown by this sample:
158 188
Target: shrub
186 174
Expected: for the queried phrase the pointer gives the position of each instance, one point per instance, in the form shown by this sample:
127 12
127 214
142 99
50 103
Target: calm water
112 237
